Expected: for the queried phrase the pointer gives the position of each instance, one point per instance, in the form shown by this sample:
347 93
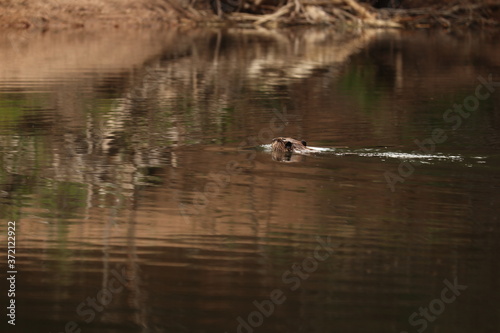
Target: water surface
142 205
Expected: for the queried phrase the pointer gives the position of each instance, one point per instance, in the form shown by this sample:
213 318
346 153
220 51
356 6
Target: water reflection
134 152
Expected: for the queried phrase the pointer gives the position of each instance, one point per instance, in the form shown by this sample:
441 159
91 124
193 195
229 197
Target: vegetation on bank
250 13
374 13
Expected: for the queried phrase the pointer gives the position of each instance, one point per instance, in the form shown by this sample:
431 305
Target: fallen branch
274 16
352 13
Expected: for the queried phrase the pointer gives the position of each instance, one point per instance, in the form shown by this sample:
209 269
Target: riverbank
57 14
61 14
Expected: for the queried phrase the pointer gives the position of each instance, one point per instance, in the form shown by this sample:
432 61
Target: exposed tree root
353 13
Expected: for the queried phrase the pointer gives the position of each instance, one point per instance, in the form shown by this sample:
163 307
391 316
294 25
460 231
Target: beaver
283 149
288 145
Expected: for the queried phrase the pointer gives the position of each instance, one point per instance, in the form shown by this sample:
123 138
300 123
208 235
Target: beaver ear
304 143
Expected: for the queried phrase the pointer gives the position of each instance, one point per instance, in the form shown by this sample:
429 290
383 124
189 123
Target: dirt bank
55 14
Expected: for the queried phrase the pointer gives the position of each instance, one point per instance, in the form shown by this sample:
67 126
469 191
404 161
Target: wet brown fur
288 145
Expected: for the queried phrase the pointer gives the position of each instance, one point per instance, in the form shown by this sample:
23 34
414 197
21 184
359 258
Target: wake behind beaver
283 149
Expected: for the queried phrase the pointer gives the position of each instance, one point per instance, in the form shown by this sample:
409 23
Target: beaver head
289 145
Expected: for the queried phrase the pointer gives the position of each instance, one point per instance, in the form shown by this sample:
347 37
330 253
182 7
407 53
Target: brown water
144 202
